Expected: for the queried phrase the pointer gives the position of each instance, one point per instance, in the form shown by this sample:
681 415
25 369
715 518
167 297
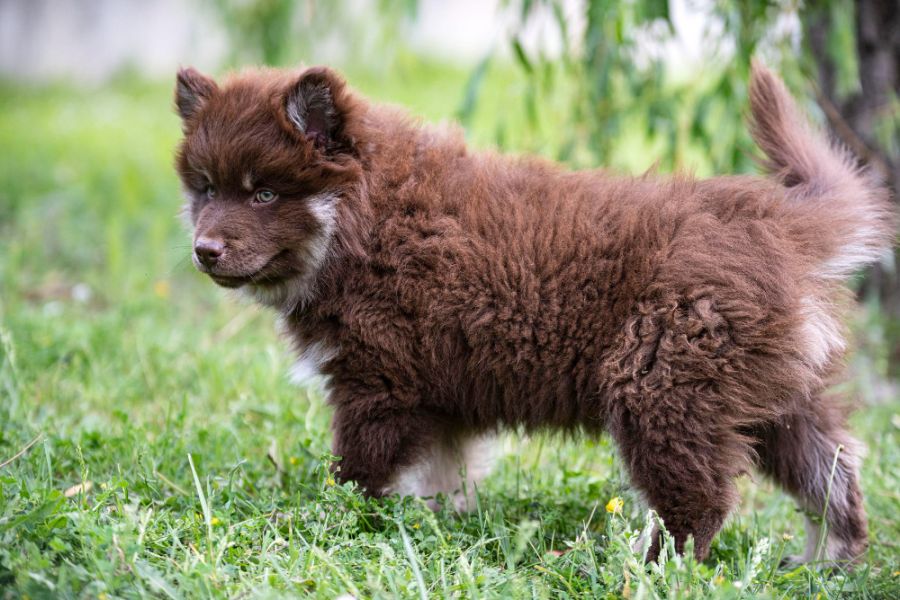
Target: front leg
410 453
376 439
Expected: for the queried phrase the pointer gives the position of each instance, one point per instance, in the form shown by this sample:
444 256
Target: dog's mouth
267 275
229 281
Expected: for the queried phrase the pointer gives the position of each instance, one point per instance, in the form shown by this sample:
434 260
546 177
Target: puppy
446 293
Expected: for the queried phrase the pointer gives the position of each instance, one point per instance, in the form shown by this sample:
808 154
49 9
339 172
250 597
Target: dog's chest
307 368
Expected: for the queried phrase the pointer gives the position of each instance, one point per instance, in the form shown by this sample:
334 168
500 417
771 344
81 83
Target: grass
152 446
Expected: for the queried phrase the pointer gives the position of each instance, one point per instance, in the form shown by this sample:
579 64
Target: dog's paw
792 561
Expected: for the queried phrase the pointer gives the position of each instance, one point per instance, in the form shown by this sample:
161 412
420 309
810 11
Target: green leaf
521 57
466 110
37 515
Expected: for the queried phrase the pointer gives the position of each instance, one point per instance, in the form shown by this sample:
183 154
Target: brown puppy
446 293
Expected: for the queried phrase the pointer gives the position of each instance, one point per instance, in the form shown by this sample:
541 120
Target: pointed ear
313 106
192 90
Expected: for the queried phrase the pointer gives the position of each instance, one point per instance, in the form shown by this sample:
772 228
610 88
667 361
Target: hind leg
813 458
685 466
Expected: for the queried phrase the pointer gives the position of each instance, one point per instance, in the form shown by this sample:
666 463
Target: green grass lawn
167 455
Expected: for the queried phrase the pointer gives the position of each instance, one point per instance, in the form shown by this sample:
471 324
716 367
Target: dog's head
264 162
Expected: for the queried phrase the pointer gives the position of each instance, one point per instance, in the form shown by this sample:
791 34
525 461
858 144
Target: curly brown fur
446 293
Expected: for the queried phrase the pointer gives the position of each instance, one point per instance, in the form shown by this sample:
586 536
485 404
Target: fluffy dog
446 293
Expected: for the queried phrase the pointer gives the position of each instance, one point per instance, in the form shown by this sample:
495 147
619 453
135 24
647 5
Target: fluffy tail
851 219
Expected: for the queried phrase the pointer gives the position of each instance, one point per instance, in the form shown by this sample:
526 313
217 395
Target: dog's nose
208 250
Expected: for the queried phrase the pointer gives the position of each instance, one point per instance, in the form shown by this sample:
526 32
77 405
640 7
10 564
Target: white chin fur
285 295
288 295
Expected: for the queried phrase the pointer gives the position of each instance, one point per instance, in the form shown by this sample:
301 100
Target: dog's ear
316 106
192 90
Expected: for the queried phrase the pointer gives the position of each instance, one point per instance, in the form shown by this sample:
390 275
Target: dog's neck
393 148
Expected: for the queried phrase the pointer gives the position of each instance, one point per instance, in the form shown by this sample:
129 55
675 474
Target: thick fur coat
446 293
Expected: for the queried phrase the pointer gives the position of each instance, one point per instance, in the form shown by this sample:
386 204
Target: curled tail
850 211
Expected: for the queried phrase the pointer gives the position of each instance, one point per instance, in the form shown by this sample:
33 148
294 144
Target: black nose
208 250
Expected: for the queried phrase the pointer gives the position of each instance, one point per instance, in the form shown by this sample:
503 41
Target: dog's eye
210 191
265 196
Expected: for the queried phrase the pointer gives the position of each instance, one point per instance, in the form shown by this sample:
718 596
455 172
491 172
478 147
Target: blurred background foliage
276 32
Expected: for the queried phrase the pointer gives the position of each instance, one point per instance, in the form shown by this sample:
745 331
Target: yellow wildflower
615 505
161 288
